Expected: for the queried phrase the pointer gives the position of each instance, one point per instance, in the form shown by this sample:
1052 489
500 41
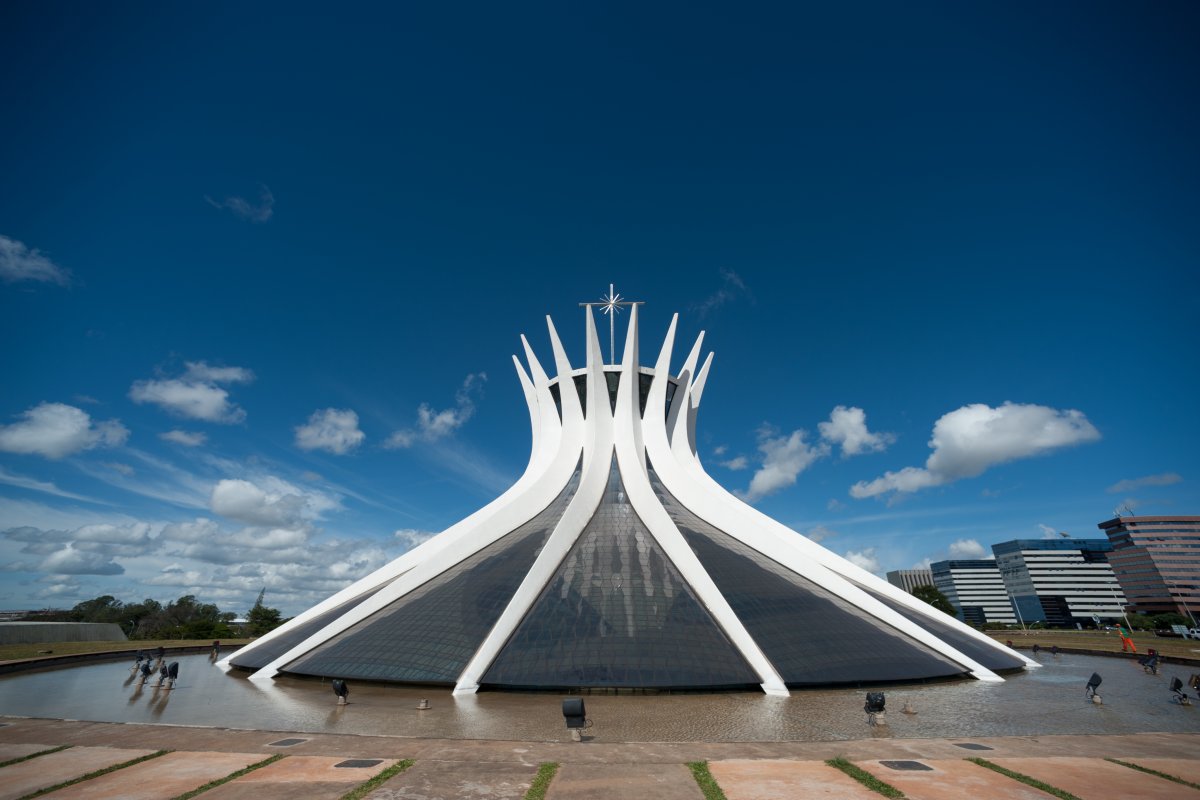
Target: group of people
167 674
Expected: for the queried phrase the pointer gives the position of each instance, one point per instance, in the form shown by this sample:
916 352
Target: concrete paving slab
1096 779
10 751
314 769
952 779
785 780
37 773
165 776
278 791
455 780
624 782
1184 768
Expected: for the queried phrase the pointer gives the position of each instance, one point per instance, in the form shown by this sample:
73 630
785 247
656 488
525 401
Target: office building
909 579
1061 582
974 587
1157 561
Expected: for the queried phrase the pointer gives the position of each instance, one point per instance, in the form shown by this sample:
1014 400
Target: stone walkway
329 765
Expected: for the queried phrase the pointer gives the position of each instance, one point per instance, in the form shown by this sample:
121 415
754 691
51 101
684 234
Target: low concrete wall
1084 651
47 662
39 632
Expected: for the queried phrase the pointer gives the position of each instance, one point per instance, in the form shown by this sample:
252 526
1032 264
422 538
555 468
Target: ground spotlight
575 716
1092 685
875 708
341 690
1180 695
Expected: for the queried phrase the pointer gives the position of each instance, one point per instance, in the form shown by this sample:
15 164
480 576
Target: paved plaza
329 765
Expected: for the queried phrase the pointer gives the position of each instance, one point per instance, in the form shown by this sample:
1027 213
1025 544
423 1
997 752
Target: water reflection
1042 701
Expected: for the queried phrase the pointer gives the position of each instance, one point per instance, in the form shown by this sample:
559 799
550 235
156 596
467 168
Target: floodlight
875 705
1180 695
1092 685
575 716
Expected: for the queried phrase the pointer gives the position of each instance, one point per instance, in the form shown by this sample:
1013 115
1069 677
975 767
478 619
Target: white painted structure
624 457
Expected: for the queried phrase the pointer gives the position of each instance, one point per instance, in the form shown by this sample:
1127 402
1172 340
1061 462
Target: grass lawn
1099 640
15 652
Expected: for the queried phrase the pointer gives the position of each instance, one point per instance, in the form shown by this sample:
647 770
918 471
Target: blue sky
946 255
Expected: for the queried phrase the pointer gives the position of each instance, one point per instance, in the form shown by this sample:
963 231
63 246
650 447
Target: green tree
261 619
930 594
184 618
105 608
1163 622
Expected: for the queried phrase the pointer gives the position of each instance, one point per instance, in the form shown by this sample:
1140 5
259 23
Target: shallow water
1047 700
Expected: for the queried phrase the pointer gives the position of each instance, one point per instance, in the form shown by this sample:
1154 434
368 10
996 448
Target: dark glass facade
267 652
809 634
613 379
429 634
989 657
618 614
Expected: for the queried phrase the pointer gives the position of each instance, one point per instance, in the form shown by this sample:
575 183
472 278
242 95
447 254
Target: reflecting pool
1047 700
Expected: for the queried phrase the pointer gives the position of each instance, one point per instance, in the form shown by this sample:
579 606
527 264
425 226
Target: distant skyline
262 270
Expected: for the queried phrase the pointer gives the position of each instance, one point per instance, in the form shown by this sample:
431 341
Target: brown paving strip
434 780
278 791
17 750
952 779
167 776
1097 779
598 782
52 769
1188 769
313 769
785 780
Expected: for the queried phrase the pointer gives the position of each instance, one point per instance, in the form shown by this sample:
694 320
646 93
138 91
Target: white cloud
298 562
244 502
864 558
69 561
969 440
409 538
20 263
967 548
185 438
332 429
55 430
202 371
784 457
820 533
738 463
48 487
720 450
244 209
274 503
848 427
95 544
1128 485
433 425
196 395
1048 532
834 504
732 287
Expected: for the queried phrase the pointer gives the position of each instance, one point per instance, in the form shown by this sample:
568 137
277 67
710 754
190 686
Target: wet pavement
490 745
1048 700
